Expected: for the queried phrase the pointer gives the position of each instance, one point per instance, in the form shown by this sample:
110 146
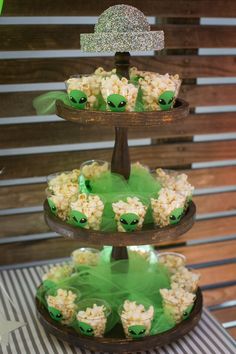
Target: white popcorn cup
171 260
85 257
94 168
135 328
92 325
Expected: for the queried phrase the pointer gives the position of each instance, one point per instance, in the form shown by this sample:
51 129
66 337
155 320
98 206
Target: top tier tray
123 119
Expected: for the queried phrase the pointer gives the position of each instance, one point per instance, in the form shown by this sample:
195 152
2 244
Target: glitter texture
122 28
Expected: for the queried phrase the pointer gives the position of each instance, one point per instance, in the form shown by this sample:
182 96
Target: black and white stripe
209 337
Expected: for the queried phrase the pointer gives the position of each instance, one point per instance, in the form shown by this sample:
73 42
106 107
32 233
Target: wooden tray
148 236
114 340
123 119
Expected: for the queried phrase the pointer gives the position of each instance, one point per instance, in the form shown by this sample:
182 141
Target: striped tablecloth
209 337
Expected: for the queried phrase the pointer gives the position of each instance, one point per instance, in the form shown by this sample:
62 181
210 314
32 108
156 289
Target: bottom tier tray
114 341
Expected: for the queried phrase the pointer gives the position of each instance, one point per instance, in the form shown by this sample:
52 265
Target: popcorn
62 306
93 169
59 205
88 256
89 85
130 214
136 320
168 208
173 261
177 302
65 183
185 279
90 208
177 182
93 320
58 272
146 254
114 85
153 85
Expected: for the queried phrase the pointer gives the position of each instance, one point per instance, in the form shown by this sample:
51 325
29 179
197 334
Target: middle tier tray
148 235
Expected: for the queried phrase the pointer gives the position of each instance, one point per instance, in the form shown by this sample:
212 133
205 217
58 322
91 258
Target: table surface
208 337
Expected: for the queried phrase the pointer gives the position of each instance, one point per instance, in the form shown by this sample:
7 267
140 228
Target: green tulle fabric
45 104
112 188
135 279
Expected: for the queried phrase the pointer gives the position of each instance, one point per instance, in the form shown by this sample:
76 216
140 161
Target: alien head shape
52 206
165 100
55 313
76 218
176 215
78 99
116 103
129 221
137 331
187 312
86 329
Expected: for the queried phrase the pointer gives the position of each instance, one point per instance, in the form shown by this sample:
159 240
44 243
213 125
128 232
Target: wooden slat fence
39 54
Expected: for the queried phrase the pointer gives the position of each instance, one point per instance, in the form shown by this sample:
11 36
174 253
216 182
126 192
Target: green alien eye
129 221
55 313
176 215
52 206
86 329
165 100
76 218
137 331
116 102
78 99
187 312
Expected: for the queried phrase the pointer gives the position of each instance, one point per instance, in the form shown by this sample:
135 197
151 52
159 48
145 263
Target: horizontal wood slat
53 133
225 315
20 103
232 331
42 37
168 8
216 275
14 71
162 155
215 202
208 252
217 296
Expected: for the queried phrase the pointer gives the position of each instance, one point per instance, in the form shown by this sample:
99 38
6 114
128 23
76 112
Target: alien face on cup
116 102
165 100
52 206
187 312
55 314
176 215
76 218
78 99
129 221
137 331
86 329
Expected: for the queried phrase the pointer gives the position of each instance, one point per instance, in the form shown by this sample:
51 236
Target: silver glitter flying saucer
122 28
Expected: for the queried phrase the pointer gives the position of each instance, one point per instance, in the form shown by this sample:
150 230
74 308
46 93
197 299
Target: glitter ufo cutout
122 28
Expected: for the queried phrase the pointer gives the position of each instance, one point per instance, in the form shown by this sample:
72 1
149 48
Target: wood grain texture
163 155
217 275
208 252
14 104
59 69
168 8
225 315
232 331
212 177
43 37
55 133
212 203
220 295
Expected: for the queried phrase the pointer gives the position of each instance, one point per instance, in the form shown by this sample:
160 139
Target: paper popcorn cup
136 319
92 317
85 256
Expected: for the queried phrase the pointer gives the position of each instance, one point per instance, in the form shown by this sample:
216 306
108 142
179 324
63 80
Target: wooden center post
120 162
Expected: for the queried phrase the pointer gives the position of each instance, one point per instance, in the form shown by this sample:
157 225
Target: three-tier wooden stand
115 340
